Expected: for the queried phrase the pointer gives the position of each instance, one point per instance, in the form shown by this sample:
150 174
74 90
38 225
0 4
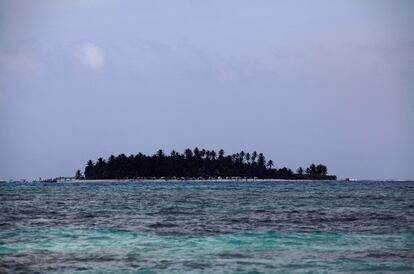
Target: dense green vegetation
196 164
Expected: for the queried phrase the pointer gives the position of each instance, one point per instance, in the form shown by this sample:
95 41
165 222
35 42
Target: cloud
225 73
18 63
90 56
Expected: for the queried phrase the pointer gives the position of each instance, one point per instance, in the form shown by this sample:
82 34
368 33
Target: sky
303 82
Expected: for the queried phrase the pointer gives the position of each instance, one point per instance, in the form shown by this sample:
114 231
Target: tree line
196 163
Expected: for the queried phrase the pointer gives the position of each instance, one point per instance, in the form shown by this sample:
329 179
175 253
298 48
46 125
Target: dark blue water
260 227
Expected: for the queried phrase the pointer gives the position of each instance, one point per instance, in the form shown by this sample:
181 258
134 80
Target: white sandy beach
190 180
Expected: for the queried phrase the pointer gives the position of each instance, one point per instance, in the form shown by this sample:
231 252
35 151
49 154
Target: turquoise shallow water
208 227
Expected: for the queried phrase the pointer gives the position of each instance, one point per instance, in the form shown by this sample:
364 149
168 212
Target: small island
196 164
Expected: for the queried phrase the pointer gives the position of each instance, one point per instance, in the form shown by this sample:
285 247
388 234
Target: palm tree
261 160
188 153
254 156
270 164
321 170
234 157
311 170
90 170
247 157
160 153
78 175
111 159
197 152
242 154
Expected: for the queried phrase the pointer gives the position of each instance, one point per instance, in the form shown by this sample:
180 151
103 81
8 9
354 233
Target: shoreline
250 180
192 180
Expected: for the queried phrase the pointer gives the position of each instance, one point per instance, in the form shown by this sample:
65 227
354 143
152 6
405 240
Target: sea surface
204 227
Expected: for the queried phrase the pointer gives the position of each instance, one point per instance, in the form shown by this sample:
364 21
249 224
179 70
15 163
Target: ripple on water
196 227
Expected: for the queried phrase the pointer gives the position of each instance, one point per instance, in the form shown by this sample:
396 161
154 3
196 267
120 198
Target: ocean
205 227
